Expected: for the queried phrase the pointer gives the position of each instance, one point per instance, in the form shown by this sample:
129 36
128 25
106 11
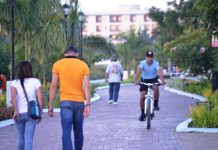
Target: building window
146 27
132 18
115 18
114 36
115 28
98 28
154 26
98 19
133 27
119 18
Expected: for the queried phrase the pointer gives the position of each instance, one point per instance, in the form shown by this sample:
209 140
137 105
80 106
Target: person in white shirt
24 123
114 75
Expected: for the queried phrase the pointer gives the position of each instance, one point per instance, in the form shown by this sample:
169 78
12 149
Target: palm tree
97 48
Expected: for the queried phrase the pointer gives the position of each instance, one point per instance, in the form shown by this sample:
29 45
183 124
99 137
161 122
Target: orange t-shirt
71 72
3 79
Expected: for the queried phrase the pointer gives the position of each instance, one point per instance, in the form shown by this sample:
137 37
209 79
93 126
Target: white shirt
114 69
31 85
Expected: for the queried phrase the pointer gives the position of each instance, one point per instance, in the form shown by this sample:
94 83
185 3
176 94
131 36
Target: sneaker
156 108
110 101
115 103
142 117
152 116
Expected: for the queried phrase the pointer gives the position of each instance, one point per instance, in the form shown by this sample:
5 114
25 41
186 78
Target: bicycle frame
149 96
148 104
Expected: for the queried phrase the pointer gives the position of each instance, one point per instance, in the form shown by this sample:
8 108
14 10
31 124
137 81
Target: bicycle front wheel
148 113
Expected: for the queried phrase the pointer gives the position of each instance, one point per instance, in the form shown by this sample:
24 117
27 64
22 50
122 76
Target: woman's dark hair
25 71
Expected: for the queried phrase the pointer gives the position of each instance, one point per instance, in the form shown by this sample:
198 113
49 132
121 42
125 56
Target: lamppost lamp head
66 10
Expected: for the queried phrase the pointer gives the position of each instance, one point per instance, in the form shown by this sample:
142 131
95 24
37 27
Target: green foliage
129 80
97 72
2 100
94 86
205 115
39 32
198 87
4 57
96 48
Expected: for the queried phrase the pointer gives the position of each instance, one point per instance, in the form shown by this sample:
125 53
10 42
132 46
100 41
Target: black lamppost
11 8
125 41
81 18
110 39
66 13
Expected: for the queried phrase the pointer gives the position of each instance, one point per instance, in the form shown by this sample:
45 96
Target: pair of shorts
145 87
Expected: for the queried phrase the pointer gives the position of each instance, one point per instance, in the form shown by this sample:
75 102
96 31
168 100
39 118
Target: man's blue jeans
72 115
114 91
25 131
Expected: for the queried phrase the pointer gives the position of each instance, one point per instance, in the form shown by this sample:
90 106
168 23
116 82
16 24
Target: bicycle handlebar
149 84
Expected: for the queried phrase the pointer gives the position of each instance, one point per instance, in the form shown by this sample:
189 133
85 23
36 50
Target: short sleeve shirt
31 85
71 72
114 69
149 71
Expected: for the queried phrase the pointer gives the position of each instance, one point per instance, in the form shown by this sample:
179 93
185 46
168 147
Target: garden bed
6 113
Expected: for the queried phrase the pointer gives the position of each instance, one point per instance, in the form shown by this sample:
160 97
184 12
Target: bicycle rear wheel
148 113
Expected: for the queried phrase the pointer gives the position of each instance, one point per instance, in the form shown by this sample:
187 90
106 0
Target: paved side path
116 127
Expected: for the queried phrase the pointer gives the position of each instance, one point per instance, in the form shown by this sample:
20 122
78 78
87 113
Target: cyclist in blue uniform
150 71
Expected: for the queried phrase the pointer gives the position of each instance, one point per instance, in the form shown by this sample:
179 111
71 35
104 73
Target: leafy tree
96 48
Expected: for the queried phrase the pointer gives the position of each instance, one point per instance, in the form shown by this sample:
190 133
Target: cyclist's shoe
156 108
142 117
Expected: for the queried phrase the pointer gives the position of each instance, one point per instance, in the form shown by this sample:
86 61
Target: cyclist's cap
149 54
71 49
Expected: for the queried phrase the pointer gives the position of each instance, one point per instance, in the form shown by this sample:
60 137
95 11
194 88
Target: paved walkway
116 127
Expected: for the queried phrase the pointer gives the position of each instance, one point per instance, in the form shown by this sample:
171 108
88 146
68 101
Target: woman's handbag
33 107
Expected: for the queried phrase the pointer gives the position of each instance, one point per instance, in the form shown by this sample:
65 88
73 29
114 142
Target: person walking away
73 77
24 123
2 83
150 71
114 75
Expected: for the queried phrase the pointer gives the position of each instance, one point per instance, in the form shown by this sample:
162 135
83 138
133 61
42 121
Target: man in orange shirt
3 82
73 76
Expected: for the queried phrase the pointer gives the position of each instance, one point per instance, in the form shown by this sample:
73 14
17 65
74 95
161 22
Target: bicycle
148 104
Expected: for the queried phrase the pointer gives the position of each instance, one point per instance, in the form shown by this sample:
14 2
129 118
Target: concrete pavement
116 127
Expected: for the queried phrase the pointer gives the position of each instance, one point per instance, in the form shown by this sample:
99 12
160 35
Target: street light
125 41
109 40
66 14
81 18
11 7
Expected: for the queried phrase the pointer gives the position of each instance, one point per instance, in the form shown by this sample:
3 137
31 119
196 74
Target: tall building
111 23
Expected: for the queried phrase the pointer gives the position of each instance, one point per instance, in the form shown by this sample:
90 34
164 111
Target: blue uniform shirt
149 71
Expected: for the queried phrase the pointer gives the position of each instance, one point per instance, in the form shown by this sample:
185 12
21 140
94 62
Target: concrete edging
183 126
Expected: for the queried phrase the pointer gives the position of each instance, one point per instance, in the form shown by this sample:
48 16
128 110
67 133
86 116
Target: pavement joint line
183 126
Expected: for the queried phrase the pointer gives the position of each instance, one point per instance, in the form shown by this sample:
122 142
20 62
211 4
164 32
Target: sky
101 5
105 5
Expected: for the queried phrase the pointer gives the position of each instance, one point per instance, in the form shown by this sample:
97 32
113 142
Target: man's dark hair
114 58
25 70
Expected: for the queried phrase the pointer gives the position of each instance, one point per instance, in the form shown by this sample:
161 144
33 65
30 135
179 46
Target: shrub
2 100
201 88
205 115
6 113
94 86
97 72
